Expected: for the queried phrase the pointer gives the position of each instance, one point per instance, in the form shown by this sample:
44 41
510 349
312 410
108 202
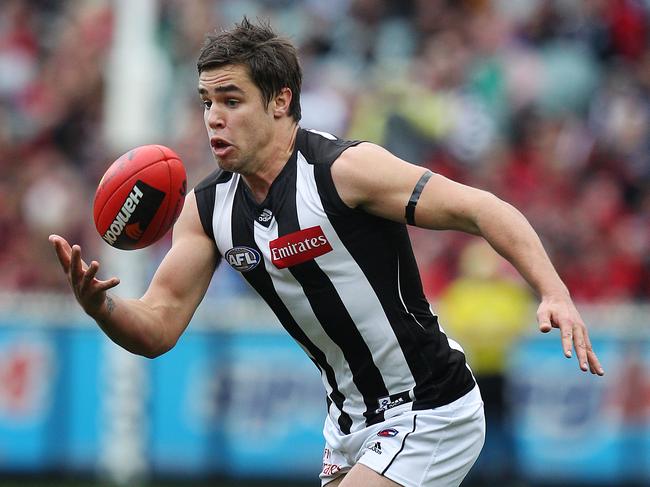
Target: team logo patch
298 247
243 259
388 433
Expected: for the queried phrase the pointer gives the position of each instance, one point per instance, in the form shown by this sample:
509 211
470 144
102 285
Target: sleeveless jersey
343 283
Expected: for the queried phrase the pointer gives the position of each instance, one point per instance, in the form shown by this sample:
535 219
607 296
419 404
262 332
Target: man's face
239 125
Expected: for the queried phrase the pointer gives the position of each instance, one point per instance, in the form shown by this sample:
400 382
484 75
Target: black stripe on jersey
383 472
447 384
332 314
315 146
382 250
242 234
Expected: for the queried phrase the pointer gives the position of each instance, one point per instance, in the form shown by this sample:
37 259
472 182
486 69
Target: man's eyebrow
221 89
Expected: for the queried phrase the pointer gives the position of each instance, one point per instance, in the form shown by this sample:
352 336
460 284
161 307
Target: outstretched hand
89 291
561 313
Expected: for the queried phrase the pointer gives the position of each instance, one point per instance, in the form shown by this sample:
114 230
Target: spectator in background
500 95
487 308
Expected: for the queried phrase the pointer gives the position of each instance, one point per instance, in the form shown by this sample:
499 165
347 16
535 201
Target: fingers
596 367
82 277
579 336
587 358
89 275
573 333
89 283
109 284
544 319
76 264
594 364
562 319
89 291
567 343
581 348
63 251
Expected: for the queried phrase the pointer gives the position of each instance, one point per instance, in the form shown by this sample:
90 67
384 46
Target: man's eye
232 103
207 104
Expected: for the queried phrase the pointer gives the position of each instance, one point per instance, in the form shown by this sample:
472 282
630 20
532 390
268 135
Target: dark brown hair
272 61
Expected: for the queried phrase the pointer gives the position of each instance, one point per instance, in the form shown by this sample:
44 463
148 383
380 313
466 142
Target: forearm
512 236
133 325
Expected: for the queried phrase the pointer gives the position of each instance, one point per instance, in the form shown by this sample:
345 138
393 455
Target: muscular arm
370 178
150 325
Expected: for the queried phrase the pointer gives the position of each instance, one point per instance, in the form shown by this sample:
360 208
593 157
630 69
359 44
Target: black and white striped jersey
342 282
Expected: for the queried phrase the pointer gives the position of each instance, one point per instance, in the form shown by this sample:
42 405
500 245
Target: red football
140 197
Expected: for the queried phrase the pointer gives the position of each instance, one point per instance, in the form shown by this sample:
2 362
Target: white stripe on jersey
224 198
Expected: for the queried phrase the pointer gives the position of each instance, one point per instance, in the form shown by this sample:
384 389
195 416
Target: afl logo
243 259
388 433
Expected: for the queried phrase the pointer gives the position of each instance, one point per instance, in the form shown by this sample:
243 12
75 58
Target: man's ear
281 102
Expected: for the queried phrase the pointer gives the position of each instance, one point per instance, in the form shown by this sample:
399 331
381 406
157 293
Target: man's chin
226 164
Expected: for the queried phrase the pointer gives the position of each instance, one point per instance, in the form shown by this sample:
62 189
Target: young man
317 226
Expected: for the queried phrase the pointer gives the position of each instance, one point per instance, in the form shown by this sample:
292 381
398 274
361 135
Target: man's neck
272 163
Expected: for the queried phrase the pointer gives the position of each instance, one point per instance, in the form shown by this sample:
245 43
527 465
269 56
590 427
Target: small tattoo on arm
110 304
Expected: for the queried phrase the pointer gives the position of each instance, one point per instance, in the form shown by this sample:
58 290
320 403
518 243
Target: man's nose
216 118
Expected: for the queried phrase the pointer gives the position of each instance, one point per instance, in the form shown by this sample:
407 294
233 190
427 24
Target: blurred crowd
546 103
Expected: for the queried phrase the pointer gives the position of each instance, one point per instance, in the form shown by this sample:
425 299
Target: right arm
370 178
151 325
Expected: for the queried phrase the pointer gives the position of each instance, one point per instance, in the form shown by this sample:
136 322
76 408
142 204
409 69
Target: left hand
89 291
560 312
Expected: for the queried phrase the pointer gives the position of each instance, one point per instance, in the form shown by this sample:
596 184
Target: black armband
415 196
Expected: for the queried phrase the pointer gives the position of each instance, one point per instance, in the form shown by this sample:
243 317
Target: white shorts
432 447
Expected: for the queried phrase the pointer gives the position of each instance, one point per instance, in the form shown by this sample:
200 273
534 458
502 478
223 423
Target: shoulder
357 169
320 147
189 220
369 177
210 181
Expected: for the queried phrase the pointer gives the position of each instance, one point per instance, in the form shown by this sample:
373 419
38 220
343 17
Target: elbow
158 335
153 346
473 213
156 350
152 354
490 208
160 338
145 351
490 202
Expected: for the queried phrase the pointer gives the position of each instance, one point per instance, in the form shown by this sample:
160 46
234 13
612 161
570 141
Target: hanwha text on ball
115 229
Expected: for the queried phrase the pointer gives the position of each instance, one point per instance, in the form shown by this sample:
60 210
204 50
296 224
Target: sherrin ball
140 197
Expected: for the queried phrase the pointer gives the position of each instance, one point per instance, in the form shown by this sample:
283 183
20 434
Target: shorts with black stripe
426 448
